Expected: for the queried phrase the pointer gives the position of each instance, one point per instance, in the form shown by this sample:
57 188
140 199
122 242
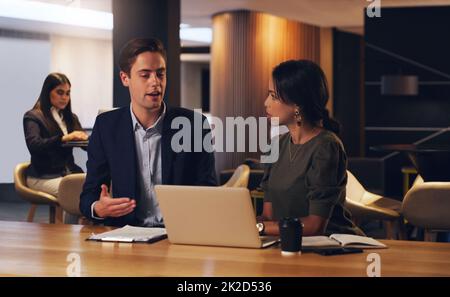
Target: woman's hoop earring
298 117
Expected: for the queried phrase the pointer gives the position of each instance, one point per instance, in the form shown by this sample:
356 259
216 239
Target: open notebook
343 240
131 234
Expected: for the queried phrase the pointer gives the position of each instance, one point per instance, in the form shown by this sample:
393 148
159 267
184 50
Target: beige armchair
367 205
34 197
69 193
240 177
427 205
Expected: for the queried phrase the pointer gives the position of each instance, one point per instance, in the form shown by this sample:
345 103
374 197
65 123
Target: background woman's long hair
302 82
44 104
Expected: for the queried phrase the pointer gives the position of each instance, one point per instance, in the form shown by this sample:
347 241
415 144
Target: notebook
343 240
131 234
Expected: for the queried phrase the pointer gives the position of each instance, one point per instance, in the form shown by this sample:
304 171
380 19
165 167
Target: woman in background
47 126
309 178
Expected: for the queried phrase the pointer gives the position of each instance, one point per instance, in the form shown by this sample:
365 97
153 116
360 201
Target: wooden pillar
246 46
326 61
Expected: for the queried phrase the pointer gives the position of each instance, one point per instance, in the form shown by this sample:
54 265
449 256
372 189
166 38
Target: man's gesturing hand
113 207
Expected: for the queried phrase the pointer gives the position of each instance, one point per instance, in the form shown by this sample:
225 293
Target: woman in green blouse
308 180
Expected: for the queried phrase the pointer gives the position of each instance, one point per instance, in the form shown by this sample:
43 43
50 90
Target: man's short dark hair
137 46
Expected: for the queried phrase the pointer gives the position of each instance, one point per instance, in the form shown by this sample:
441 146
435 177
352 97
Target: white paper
130 234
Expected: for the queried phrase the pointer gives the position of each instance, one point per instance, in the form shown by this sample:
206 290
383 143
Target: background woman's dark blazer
48 158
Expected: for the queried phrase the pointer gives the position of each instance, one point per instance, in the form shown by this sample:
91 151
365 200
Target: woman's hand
312 225
75 136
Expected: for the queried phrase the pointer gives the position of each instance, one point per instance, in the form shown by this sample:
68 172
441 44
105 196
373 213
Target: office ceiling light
196 34
400 85
80 17
44 12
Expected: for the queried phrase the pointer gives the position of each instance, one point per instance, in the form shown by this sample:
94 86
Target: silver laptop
215 216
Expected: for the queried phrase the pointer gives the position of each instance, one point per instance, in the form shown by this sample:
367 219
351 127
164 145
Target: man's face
147 81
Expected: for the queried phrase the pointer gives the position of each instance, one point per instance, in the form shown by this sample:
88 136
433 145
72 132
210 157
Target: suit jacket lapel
126 148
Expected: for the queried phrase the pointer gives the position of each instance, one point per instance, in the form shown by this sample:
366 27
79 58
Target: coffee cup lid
286 253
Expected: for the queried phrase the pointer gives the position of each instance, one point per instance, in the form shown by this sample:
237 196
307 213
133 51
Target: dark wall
205 89
408 41
145 19
347 89
420 35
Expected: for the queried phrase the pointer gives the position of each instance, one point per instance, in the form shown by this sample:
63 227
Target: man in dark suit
131 148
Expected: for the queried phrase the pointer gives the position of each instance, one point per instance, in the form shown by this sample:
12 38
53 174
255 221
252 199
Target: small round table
431 161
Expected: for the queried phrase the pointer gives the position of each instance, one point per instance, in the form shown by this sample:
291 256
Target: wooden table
30 249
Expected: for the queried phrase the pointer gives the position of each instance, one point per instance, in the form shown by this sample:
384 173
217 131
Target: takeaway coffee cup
291 230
